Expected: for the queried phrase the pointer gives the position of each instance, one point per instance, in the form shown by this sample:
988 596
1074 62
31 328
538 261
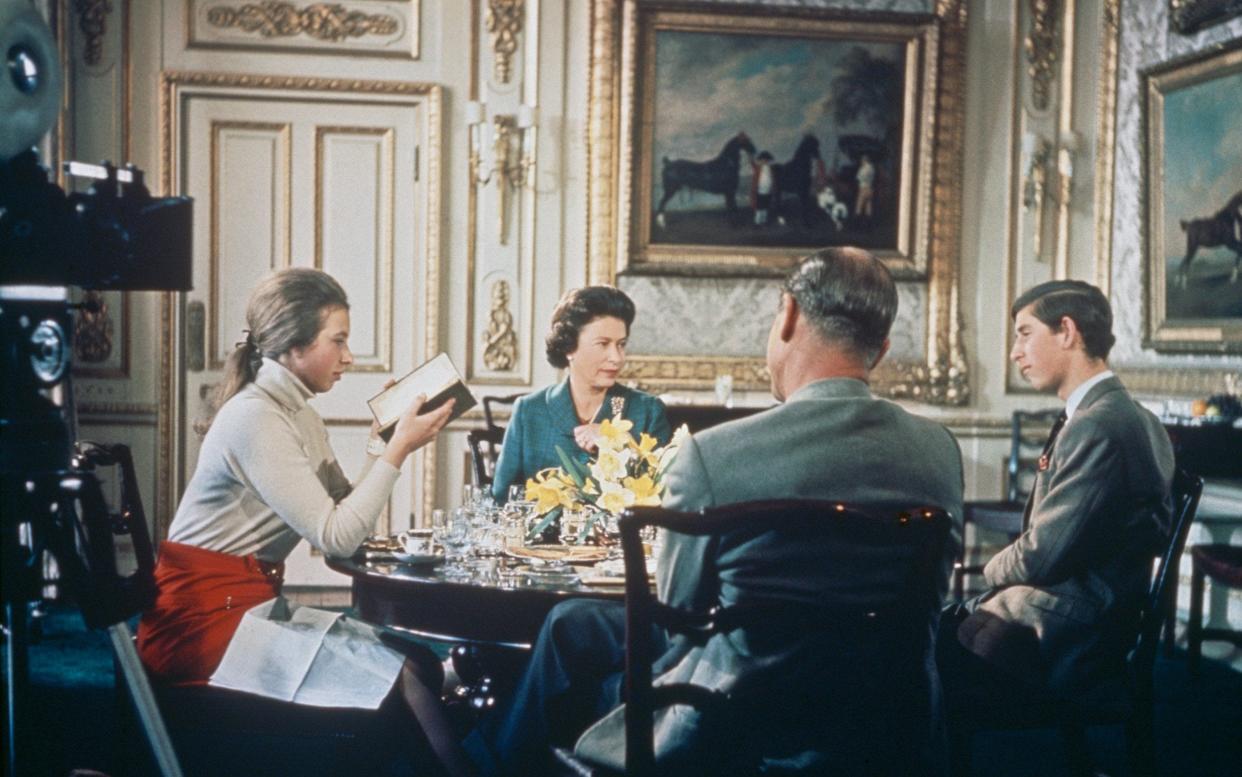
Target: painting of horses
761 137
1193 174
827 112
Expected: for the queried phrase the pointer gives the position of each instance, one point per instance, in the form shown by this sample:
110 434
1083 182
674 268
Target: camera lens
23 69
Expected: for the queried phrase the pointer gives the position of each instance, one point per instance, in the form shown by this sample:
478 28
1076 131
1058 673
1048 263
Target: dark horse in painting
715 176
1224 228
797 176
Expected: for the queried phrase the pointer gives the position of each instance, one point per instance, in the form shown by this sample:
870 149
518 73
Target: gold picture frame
936 51
1192 203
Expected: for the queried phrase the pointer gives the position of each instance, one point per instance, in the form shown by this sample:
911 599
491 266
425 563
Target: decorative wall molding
93 24
321 21
1105 138
500 341
374 27
504 23
1041 50
92 329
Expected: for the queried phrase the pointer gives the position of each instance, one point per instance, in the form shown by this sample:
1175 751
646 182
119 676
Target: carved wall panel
388 28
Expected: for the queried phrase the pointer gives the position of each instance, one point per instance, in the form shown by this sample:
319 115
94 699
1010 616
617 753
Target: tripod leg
144 700
16 689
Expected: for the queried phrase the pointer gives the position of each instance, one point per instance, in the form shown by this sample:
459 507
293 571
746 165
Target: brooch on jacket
1044 461
617 404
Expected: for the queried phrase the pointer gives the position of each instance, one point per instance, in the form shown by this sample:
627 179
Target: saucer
418 559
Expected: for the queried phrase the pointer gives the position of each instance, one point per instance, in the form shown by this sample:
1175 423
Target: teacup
415 544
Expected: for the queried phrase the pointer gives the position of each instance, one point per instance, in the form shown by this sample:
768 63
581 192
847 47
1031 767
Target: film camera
114 236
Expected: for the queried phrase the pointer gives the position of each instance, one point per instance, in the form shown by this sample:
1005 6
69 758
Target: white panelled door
289 173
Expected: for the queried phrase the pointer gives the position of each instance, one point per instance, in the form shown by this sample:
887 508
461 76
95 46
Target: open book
437 378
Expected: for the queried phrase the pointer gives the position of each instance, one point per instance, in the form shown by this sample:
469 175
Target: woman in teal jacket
590 328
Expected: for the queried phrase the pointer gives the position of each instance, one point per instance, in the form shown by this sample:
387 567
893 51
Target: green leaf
571 467
544 523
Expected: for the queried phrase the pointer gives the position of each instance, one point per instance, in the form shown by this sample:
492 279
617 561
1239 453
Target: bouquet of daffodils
624 473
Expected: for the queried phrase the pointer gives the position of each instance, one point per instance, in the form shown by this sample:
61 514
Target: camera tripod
51 501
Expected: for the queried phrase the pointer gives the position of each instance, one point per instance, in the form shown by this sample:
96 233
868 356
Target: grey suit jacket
1075 579
830 440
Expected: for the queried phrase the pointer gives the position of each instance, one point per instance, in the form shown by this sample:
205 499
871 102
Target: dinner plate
570 553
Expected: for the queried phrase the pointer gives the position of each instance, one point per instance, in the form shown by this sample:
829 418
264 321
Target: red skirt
202 596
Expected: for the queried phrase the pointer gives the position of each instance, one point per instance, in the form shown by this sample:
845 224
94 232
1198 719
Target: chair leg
960 741
1075 738
1170 616
1141 740
1194 629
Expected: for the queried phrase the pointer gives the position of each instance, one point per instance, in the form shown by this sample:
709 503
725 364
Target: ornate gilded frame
941 376
1163 332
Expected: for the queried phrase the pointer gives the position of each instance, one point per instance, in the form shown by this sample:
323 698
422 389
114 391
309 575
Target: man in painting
1064 598
830 438
866 182
762 187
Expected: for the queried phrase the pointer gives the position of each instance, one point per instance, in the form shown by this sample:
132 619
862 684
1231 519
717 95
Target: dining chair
484 445
1222 564
490 402
885 643
1129 702
1004 516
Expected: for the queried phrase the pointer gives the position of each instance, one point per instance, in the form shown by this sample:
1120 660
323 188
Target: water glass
455 537
517 492
572 524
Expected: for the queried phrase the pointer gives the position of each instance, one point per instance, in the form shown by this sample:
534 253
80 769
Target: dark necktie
1044 459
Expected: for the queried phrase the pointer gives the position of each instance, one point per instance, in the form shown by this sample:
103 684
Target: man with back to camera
829 439
1064 598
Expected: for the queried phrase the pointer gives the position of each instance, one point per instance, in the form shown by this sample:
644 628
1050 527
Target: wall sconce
1036 152
512 155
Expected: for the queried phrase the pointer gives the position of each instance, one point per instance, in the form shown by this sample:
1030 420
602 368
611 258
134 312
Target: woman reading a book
267 478
590 329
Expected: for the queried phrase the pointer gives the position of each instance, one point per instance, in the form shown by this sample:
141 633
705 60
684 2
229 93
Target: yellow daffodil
646 493
614 498
546 490
614 434
644 447
611 464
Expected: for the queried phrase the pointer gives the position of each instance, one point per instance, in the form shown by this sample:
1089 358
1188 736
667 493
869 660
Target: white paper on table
308 656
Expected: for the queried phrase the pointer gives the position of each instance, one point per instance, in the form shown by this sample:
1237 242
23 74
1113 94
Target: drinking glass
455 537
517 492
469 495
572 523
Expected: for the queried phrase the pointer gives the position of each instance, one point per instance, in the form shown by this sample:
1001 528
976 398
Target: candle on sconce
526 116
1065 163
474 112
1028 143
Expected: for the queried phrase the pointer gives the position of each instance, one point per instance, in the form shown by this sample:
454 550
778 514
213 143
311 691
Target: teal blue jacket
545 419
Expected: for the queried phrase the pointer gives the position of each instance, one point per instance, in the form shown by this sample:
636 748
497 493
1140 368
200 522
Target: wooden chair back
921 532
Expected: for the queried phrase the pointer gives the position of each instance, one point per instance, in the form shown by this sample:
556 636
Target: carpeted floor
73 712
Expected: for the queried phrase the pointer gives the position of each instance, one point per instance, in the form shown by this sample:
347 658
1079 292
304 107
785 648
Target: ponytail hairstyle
286 311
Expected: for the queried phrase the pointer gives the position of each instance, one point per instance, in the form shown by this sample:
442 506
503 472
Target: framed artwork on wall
861 116
757 136
1192 174
1190 16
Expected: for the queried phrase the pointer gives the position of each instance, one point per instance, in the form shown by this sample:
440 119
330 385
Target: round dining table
495 605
